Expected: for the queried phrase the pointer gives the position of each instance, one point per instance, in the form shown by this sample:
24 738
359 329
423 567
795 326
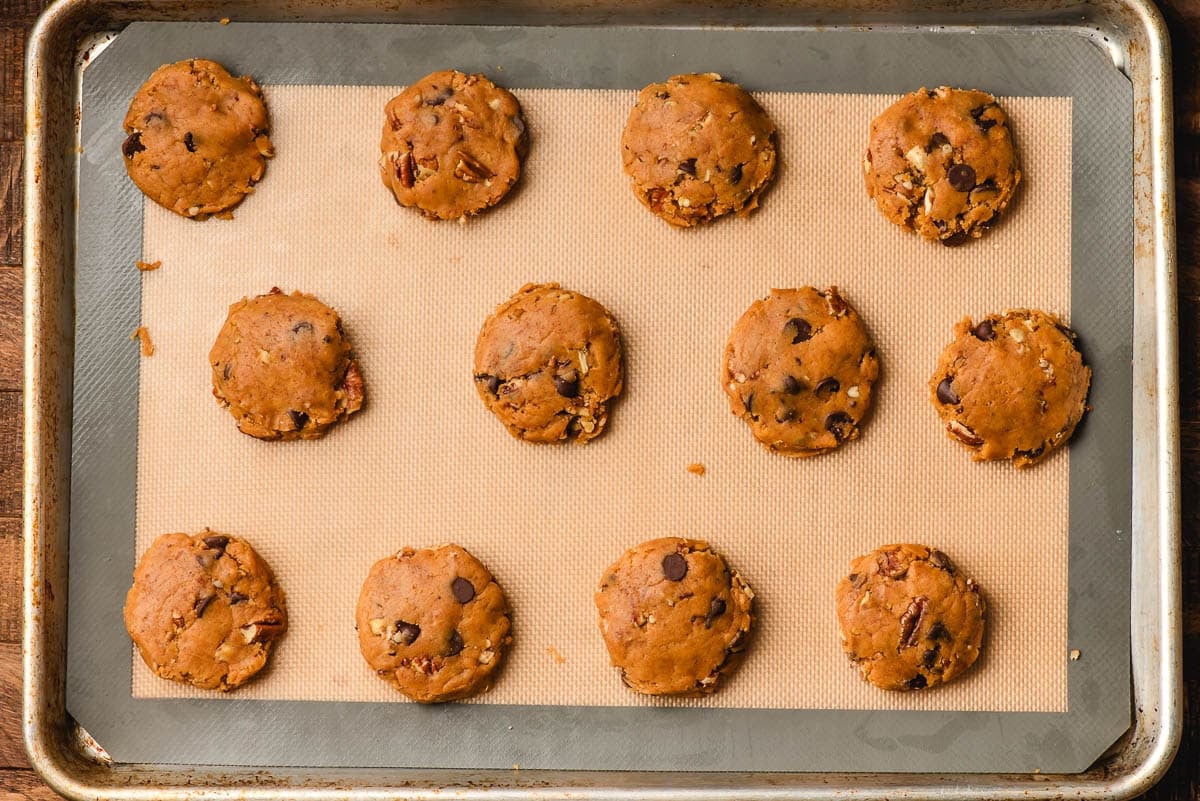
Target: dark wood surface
17 781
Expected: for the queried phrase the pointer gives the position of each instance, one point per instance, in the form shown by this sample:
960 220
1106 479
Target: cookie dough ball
204 610
283 366
452 145
1012 386
433 623
909 618
942 163
197 138
698 147
799 369
674 616
547 363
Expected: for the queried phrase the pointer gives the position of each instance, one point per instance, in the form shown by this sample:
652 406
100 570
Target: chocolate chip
961 177
735 175
674 566
857 579
938 632
455 646
940 561
409 632
945 392
662 95
956 239
840 425
302 326
791 386
984 331
715 610
492 382
217 542
132 145
440 98
827 388
228 370
929 658
937 140
567 384
748 402
798 329
688 166
298 418
236 598
189 143
917 682
986 125
463 590
910 621
202 604
1033 454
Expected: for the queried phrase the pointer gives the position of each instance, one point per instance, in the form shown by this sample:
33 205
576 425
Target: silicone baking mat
425 463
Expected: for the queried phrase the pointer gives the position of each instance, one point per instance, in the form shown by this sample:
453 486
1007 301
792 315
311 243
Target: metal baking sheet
1141 508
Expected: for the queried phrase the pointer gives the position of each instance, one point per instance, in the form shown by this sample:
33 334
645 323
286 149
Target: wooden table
17 781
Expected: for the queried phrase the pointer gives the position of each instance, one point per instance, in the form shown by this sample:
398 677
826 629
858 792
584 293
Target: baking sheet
183 489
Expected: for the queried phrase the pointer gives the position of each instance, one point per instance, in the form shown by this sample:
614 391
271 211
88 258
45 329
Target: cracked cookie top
909 619
547 362
1012 386
433 623
197 138
799 369
674 616
697 147
452 145
941 162
204 609
283 366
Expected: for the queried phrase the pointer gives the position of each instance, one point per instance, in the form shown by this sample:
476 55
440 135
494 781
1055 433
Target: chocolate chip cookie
452 145
674 616
941 162
284 367
197 138
547 362
1012 386
433 623
204 609
799 369
909 618
697 147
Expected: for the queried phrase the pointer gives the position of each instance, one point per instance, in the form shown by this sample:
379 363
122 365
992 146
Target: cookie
452 145
283 366
1012 386
909 619
941 162
674 616
433 623
547 362
799 369
204 609
197 138
698 147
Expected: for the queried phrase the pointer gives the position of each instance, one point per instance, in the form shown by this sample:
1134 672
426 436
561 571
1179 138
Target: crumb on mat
142 334
559 658
696 469
147 266
1075 654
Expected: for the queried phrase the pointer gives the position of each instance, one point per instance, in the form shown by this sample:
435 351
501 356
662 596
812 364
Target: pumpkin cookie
799 369
433 623
283 366
204 610
1012 386
452 145
547 362
941 162
675 618
197 138
697 147
908 618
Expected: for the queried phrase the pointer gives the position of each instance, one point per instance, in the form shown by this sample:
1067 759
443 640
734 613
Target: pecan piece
470 169
405 167
910 621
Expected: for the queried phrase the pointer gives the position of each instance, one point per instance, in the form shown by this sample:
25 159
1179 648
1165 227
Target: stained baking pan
1122 270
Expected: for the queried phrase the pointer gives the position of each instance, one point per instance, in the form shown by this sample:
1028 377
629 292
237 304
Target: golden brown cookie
283 366
204 609
799 369
909 618
433 623
674 616
547 362
1013 386
698 147
941 162
452 144
197 140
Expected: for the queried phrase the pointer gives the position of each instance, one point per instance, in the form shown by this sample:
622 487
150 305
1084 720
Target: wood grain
12 753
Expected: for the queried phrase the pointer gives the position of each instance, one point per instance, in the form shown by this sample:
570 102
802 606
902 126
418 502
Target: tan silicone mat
425 463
